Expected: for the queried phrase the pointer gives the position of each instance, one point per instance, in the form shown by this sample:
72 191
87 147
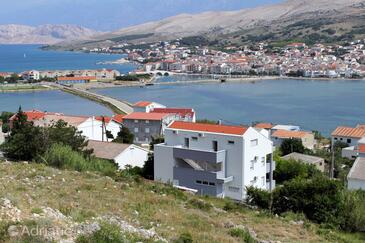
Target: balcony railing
200 155
268 166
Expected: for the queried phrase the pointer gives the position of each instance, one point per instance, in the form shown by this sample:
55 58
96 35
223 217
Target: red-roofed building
144 126
181 114
351 136
76 80
216 160
146 106
307 138
91 127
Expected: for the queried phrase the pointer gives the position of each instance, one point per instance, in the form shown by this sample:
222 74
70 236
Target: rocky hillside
271 22
44 34
68 206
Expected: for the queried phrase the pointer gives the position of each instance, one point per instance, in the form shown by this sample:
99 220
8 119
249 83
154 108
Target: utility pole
102 128
332 167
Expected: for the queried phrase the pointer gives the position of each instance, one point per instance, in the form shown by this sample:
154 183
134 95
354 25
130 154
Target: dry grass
142 203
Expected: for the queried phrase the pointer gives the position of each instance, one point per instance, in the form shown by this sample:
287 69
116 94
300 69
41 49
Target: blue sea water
19 58
314 105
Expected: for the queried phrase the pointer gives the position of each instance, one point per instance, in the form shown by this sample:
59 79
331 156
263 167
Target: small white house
351 136
146 106
121 154
356 176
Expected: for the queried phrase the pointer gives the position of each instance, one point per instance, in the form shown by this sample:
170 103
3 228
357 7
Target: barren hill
235 26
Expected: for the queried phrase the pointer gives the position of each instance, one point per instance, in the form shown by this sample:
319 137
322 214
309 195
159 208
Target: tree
124 136
148 168
290 169
292 145
4 117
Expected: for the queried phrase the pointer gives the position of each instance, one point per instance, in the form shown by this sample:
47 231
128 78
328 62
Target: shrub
291 145
230 205
319 199
352 214
64 157
200 204
184 238
258 197
242 234
289 169
108 233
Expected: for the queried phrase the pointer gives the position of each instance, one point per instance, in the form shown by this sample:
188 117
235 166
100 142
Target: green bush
258 197
108 233
242 234
352 214
200 204
319 199
290 169
64 157
184 238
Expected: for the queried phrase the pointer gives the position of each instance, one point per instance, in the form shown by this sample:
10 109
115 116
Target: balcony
268 184
206 182
200 155
268 166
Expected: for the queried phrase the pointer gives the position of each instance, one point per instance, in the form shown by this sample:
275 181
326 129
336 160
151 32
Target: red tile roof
203 127
118 118
142 104
145 116
182 112
362 148
264 125
349 132
289 134
31 115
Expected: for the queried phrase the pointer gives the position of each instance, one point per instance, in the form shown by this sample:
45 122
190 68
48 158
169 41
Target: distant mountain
293 19
44 34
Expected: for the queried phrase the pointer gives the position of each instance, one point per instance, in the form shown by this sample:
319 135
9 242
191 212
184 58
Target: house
307 138
351 136
76 80
144 126
216 160
31 75
120 154
90 127
146 106
356 176
180 114
307 159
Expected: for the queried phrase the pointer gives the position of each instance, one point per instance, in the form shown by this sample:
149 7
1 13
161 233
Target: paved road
121 105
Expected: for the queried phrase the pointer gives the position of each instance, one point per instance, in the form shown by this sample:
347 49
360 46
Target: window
252 165
205 183
348 140
336 139
198 182
231 142
233 189
135 121
341 139
254 142
215 146
186 142
194 138
147 130
136 129
211 184
147 121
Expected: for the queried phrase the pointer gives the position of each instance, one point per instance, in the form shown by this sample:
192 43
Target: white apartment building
216 160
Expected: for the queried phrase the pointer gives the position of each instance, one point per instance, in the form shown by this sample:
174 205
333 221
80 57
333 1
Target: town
261 59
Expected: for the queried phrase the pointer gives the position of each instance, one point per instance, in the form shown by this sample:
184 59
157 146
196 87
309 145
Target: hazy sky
109 14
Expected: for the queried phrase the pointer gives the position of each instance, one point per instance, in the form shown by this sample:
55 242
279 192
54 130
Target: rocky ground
43 204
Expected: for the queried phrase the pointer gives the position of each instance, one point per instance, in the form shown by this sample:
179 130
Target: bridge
119 107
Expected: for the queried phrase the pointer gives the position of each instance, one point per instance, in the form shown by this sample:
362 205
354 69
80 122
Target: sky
106 15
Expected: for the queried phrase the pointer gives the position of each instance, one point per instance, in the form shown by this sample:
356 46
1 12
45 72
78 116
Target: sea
312 104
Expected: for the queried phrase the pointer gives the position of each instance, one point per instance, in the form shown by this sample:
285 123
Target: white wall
134 156
354 184
164 164
92 130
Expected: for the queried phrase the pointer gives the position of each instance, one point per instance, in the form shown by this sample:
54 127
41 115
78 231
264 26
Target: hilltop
321 20
43 34
34 195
